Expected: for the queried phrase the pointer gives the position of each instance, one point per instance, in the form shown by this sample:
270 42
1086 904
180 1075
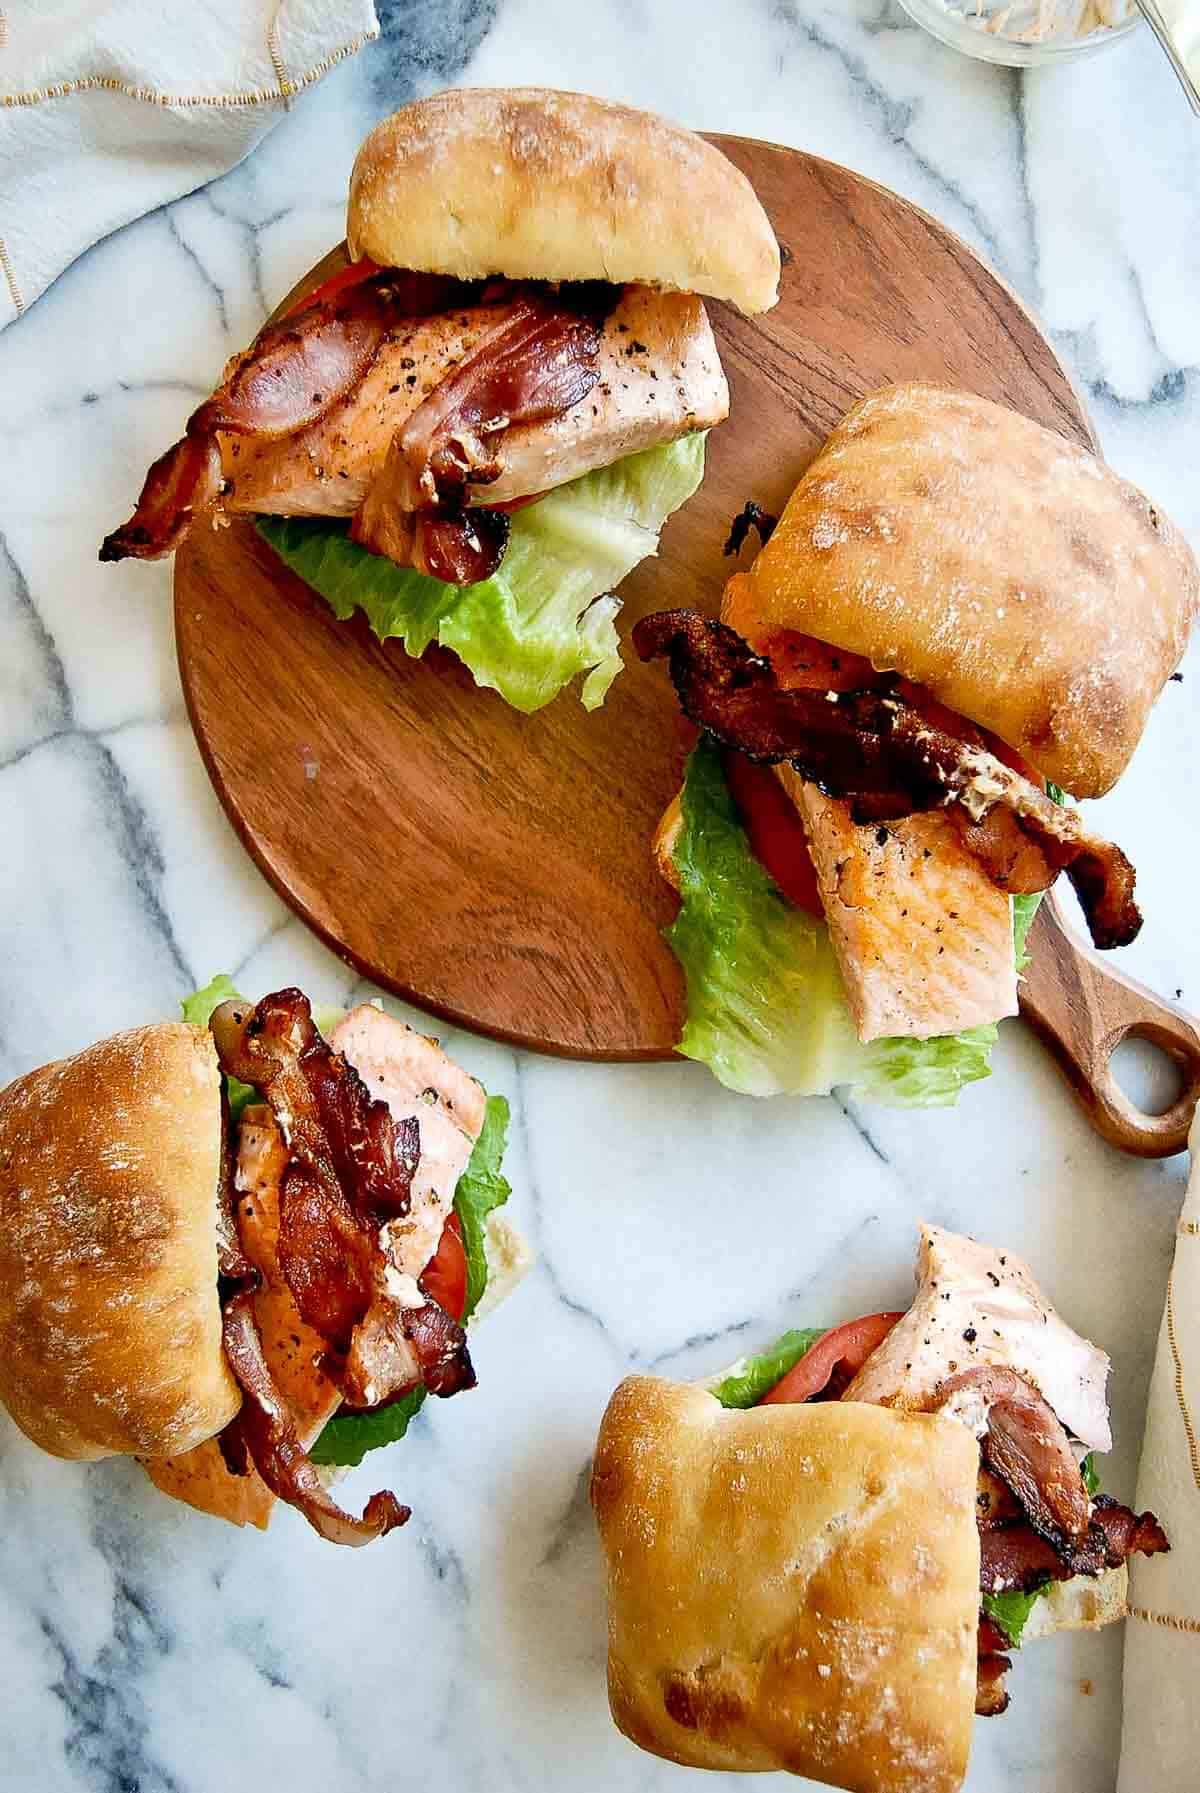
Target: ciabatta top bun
540 185
110 1324
791 1587
1003 567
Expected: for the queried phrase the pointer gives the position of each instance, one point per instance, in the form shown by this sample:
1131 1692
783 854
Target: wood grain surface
494 868
1083 1008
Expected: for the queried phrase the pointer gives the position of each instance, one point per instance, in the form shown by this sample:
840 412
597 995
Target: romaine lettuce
753 1377
481 1188
1011 1610
767 1010
543 617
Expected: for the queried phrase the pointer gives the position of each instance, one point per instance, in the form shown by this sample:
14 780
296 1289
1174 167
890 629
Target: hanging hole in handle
1151 1078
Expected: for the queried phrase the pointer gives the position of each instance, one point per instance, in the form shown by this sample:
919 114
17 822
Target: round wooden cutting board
495 868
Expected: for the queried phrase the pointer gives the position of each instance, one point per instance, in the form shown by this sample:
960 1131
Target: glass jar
985 35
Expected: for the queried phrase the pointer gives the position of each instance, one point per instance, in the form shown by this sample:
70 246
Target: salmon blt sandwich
478 422
244 1248
820 1560
960 622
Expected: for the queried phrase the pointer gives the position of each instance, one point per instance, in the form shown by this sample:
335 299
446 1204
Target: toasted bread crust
790 1587
543 185
1006 569
110 1324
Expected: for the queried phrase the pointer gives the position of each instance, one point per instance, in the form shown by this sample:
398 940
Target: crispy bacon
991 1695
460 550
1014 860
991 1639
459 547
536 361
1127 1533
1027 1446
293 372
298 367
1016 1556
995 1502
881 755
266 1429
182 483
349 1173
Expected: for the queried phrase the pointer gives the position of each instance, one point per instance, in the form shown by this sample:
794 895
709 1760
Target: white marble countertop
144 1648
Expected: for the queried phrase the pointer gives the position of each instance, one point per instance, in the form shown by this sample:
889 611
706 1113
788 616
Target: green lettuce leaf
347 1437
753 1377
481 1188
767 1011
1025 907
198 1009
1090 1474
542 618
1011 1610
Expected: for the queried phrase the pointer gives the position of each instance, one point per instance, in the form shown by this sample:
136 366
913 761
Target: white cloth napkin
1160 1741
109 108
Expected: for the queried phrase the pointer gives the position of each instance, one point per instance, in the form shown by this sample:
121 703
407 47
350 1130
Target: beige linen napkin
1160 1741
109 108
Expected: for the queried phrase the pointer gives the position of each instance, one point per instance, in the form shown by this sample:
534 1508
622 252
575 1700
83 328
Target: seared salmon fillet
978 1305
923 938
413 1076
660 378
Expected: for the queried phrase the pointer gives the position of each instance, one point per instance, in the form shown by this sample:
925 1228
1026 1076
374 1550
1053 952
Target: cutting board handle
1082 1009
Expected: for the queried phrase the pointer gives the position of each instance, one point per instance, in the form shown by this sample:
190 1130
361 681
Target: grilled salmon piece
923 938
976 1305
660 378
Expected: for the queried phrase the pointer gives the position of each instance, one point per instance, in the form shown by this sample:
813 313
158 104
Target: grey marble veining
147 1649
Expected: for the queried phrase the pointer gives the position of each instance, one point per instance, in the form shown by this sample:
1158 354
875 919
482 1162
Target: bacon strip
882 756
1127 1533
291 374
991 1695
1018 1557
1027 1446
350 1171
536 361
266 1429
460 547
181 483
995 1503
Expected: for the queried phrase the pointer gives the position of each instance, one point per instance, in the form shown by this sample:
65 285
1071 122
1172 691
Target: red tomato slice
844 1349
445 1276
776 832
337 283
